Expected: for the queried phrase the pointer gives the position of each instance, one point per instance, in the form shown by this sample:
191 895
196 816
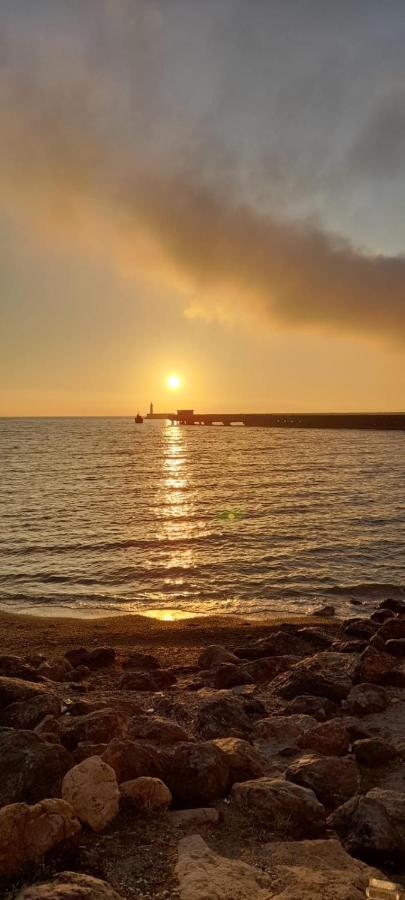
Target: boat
138 419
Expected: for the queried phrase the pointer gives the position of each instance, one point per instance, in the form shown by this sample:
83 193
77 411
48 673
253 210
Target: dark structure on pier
371 421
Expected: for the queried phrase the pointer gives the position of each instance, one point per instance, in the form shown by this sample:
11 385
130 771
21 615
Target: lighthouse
151 408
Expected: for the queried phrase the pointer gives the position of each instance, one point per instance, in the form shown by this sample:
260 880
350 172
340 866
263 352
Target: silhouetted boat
138 419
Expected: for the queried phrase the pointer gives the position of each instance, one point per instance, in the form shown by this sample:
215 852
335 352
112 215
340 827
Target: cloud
379 149
86 186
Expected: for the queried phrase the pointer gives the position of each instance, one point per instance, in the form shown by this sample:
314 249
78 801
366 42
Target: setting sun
173 382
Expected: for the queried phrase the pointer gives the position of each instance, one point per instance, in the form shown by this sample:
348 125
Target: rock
57 670
396 678
17 668
14 690
392 629
324 675
164 678
157 730
287 809
373 752
137 681
131 759
228 675
317 639
349 646
365 699
203 875
95 727
264 670
27 714
396 647
372 826
214 655
147 794
100 658
84 751
195 774
31 769
394 605
280 643
244 761
377 642
329 738
202 815
316 870
373 665
359 628
278 733
142 661
70 886
77 657
91 789
28 832
319 708
333 779
226 716
326 610
381 615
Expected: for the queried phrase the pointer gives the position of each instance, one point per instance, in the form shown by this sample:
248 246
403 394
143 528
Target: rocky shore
202 759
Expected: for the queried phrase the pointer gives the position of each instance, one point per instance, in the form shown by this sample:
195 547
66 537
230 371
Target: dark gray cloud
379 149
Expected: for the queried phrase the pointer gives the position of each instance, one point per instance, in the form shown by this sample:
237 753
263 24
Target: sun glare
173 382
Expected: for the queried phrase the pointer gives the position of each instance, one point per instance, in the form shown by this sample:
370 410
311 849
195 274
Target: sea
101 515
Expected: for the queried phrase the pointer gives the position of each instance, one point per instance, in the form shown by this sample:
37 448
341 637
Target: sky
215 189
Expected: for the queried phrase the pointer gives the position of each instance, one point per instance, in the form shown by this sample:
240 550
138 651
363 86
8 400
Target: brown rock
373 752
77 657
70 886
227 716
14 690
95 727
91 789
288 809
100 658
373 665
214 655
244 761
196 774
324 675
149 794
58 670
359 628
203 875
202 815
329 738
392 629
164 678
157 730
31 769
365 699
372 826
319 708
131 759
396 647
393 605
84 751
264 670
28 832
143 662
278 733
228 675
333 779
17 668
317 870
349 646
26 714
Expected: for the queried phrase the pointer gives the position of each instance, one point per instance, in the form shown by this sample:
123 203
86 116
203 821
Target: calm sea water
100 513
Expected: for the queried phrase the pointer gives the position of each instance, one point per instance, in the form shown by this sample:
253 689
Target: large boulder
244 761
57 670
214 655
13 690
317 870
96 727
396 647
31 768
147 794
324 675
287 809
333 779
372 826
100 658
196 773
17 668
321 708
91 789
365 699
228 716
228 675
393 605
27 714
392 629
204 875
265 669
331 738
131 759
277 733
27 833
143 662
70 886
359 628
373 665
147 681
374 751
156 729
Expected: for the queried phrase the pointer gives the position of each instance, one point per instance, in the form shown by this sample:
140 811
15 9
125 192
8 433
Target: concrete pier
364 421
